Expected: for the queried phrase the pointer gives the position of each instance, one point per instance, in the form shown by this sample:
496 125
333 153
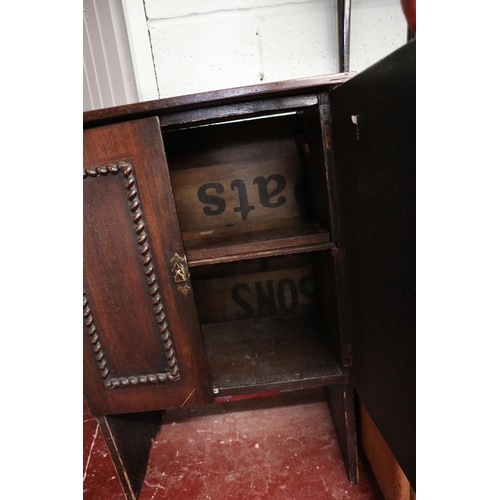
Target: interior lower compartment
263 326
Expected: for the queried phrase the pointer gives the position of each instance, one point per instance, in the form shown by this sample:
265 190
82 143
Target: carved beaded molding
172 372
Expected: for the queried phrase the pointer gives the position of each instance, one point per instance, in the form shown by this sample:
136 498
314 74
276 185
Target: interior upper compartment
248 186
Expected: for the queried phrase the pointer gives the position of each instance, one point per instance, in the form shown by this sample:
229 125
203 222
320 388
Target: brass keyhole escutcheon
180 273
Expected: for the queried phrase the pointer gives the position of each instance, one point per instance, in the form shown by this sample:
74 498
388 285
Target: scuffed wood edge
211 98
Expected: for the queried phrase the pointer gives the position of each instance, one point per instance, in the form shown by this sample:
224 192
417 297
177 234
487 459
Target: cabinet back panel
257 289
235 173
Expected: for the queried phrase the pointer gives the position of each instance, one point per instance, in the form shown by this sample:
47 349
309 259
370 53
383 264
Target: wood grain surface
256 294
144 326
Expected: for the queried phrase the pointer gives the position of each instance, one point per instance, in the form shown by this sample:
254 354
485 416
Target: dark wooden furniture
252 241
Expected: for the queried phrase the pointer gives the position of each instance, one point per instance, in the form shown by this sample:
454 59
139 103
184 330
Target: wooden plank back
255 295
236 173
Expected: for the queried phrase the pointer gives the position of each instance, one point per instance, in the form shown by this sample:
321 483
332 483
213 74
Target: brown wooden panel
115 283
326 281
272 237
128 438
232 191
142 342
236 174
341 403
233 111
317 128
266 292
250 266
316 162
212 98
374 143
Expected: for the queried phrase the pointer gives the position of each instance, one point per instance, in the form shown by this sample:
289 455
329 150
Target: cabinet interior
263 326
254 208
248 188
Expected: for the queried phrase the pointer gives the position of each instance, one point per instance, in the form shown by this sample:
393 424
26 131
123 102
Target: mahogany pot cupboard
253 241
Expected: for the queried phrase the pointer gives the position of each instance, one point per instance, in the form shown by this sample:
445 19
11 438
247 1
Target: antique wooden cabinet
253 241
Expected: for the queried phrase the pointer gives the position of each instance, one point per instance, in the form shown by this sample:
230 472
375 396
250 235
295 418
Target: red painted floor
259 450
100 481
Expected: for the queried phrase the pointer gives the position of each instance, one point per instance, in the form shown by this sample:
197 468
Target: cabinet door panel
142 342
373 119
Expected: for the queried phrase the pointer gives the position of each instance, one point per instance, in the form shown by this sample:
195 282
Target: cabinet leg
129 438
341 402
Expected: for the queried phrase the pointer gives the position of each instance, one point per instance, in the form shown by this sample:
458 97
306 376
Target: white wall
213 44
378 27
186 46
216 44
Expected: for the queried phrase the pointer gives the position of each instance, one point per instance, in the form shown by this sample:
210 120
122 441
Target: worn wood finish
316 125
341 403
315 168
265 292
241 141
274 353
140 332
241 191
235 174
243 267
236 194
128 438
374 129
336 269
263 241
212 98
220 114
261 254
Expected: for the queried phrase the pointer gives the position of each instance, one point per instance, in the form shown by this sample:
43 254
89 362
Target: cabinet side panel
374 144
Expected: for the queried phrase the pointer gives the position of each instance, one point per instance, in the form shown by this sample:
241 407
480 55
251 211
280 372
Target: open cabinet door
373 120
143 348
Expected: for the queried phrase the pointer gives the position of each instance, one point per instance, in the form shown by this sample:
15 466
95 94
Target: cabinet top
213 98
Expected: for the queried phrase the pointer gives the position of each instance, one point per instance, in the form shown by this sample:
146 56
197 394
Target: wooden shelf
254 241
275 353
